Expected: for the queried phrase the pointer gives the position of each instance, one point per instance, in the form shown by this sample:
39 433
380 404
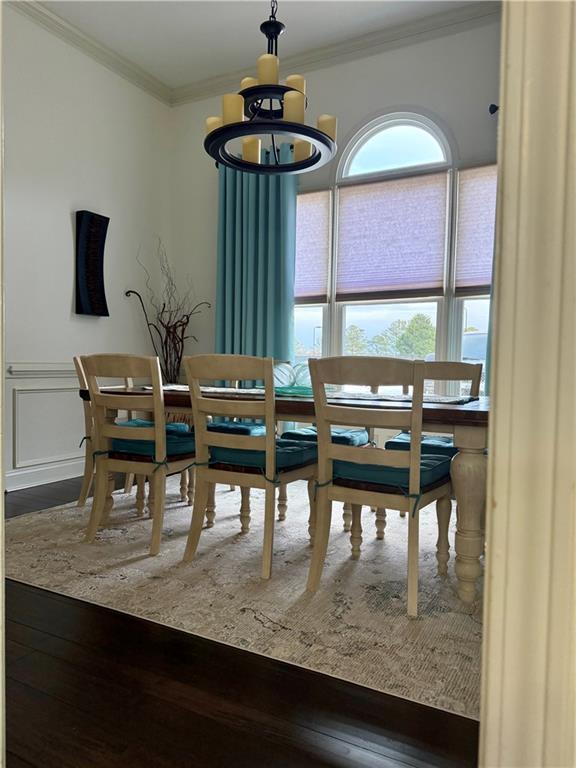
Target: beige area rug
354 628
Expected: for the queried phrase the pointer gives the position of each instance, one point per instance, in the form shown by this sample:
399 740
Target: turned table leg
380 522
347 516
140 494
191 483
468 472
211 505
244 509
184 485
356 530
282 501
151 496
109 503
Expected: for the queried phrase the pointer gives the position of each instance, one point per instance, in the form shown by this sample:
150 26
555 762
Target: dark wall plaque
91 231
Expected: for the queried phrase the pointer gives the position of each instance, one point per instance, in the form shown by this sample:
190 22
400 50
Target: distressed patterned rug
354 628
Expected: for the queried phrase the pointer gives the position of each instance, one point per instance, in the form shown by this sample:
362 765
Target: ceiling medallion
263 107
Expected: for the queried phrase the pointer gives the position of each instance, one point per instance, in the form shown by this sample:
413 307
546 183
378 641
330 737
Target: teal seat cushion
440 445
433 470
289 454
172 427
340 435
179 440
237 428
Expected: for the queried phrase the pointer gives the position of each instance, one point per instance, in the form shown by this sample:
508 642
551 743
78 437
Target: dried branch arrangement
171 312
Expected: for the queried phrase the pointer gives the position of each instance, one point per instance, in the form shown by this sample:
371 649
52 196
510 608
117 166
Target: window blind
475 230
312 247
392 238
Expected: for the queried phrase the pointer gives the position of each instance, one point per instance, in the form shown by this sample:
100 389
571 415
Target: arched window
396 142
395 259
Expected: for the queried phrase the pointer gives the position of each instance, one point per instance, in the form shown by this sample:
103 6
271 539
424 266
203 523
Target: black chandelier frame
264 112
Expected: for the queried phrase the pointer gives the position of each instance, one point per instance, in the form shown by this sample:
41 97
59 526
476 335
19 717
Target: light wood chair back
372 372
88 436
105 405
87 439
232 369
88 425
236 369
440 370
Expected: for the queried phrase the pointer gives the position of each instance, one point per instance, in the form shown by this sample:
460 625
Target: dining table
466 419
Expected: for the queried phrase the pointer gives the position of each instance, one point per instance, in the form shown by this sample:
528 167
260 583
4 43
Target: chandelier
263 108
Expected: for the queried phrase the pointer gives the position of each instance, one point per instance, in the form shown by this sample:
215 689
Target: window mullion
334 331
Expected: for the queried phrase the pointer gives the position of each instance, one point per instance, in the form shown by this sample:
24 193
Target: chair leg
268 546
413 546
184 485
356 534
198 511
98 502
151 496
244 509
109 504
347 517
191 482
211 505
380 522
443 512
282 501
312 502
128 482
140 494
88 478
323 519
158 482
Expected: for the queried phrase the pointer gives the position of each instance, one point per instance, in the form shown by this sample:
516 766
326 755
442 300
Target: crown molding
134 74
441 24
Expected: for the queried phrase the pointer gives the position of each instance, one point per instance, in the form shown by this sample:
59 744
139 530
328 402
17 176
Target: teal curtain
256 261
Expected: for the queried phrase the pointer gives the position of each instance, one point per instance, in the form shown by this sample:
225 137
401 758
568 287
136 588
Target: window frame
380 124
450 305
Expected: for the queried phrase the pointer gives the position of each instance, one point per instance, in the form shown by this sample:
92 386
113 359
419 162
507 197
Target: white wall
77 136
453 79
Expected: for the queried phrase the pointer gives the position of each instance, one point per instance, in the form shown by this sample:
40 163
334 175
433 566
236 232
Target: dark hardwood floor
89 687
45 496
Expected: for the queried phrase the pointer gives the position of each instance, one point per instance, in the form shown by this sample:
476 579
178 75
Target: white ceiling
180 43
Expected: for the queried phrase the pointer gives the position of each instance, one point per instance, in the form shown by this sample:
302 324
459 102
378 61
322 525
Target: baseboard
28 477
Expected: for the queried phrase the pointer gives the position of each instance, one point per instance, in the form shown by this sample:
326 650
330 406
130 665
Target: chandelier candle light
264 107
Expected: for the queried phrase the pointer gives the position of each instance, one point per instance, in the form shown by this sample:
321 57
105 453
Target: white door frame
2 368
528 715
529 666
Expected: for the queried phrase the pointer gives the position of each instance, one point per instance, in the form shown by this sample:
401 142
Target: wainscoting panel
44 424
39 415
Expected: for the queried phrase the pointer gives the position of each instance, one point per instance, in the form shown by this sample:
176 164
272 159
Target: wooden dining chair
245 460
445 371
186 479
87 440
343 436
370 476
141 447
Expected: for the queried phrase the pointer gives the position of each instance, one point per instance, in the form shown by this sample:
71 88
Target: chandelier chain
273 8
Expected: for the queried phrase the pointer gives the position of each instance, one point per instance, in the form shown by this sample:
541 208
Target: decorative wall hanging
263 107
91 231
171 311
